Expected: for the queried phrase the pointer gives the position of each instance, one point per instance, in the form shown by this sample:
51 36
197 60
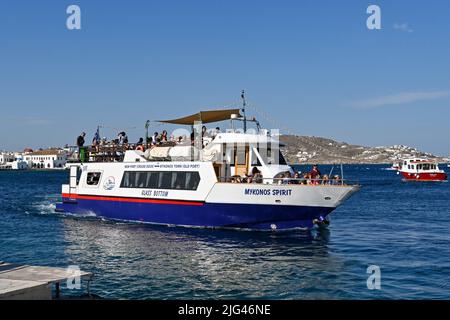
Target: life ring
140 148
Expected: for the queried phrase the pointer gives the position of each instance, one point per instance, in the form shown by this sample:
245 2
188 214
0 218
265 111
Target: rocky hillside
303 149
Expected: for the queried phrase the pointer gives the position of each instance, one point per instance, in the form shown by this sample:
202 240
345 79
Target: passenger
307 178
96 139
121 137
296 178
81 149
154 138
80 139
315 174
215 132
287 178
140 142
255 177
337 180
325 179
204 132
180 140
163 137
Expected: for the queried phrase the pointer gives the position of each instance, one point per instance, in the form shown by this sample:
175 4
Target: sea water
401 227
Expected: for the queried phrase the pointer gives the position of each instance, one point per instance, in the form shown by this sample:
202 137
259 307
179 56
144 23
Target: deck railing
287 181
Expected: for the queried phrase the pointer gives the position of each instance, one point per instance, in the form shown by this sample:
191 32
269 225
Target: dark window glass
93 178
179 180
254 161
281 159
141 178
240 155
165 179
160 180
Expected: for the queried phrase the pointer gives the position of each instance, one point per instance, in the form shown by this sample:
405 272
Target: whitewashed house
6 157
12 161
47 159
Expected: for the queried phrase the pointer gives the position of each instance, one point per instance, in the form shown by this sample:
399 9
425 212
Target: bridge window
178 180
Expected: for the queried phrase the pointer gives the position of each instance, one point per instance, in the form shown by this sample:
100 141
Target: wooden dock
24 282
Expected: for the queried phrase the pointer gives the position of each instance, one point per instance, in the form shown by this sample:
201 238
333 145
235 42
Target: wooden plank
24 290
32 282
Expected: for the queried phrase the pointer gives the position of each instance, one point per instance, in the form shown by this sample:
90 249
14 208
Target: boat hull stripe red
129 199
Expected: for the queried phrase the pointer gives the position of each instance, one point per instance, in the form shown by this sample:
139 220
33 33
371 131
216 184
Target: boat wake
45 208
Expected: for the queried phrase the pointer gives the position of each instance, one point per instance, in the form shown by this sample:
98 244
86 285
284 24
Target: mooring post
57 290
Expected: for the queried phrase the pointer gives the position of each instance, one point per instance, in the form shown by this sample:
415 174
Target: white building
6 157
12 161
47 159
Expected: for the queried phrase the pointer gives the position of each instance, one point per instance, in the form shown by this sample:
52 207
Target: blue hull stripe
215 215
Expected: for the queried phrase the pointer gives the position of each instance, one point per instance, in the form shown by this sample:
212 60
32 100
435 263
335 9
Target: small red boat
421 170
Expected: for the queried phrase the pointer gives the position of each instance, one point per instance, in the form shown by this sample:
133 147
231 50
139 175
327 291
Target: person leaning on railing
255 177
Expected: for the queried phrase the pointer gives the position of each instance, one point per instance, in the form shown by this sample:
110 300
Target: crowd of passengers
314 177
157 139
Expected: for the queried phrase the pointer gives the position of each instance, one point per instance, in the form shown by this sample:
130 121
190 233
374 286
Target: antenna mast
243 110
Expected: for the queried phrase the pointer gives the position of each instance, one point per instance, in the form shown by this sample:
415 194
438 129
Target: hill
304 149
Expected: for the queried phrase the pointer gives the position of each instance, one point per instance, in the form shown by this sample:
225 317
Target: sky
308 67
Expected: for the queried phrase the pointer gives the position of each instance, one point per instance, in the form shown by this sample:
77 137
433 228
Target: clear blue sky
313 65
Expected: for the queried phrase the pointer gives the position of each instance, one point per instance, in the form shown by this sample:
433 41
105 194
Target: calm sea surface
402 227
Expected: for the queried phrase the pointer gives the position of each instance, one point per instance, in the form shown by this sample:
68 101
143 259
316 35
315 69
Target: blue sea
401 227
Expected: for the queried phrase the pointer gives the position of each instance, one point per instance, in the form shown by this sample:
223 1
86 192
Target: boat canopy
205 117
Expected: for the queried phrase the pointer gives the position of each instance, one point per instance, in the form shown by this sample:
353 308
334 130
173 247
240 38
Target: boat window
232 158
426 167
240 156
192 180
165 180
93 178
179 180
265 155
281 158
269 156
255 160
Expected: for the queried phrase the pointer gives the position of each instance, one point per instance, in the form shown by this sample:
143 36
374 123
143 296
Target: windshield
270 156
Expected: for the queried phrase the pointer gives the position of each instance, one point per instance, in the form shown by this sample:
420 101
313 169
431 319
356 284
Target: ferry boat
418 169
233 180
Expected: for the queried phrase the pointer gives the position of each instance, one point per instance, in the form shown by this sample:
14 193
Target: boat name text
267 192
